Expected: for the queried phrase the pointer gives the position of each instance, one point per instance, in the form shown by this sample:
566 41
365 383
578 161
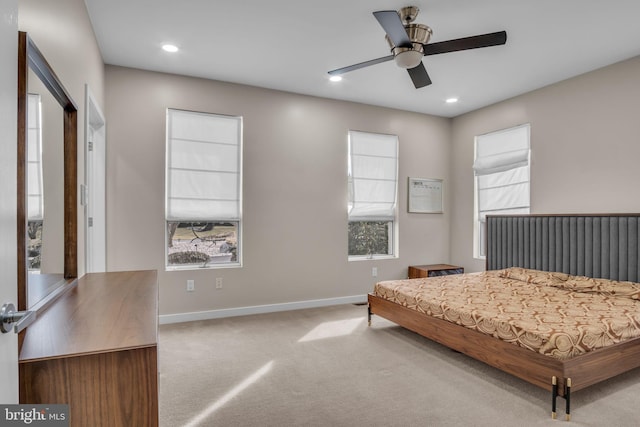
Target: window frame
479 226
393 222
239 220
391 243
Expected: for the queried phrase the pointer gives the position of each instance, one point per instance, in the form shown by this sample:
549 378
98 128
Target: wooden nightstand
432 270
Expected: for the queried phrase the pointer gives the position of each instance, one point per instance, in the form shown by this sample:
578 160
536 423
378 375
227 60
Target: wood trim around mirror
30 57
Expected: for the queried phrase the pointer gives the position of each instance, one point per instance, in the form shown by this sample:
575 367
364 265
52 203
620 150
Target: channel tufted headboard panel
599 245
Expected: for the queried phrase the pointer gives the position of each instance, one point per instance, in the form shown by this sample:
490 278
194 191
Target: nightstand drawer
433 270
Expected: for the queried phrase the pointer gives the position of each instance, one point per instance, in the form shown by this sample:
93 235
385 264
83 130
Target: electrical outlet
374 272
218 282
191 285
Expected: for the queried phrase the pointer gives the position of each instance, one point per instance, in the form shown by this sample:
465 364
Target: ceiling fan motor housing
410 56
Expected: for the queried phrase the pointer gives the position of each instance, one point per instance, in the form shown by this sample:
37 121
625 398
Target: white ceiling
290 45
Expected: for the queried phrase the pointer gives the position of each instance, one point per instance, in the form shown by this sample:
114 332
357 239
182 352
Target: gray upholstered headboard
604 246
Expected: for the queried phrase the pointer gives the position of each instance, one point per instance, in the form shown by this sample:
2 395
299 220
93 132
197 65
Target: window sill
202 267
371 258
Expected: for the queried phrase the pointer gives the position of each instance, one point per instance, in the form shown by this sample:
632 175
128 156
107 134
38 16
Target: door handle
16 320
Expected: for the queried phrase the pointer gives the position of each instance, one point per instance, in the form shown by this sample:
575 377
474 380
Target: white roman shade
373 176
501 162
35 199
502 170
502 173
203 166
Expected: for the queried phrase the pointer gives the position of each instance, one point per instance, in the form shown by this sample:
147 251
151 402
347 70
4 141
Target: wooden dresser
95 349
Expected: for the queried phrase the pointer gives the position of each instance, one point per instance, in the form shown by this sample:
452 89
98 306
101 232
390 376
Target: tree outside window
368 238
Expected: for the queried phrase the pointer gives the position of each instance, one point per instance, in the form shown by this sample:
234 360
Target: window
501 168
203 189
373 185
35 199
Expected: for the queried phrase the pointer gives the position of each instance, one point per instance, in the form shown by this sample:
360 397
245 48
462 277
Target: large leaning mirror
47 180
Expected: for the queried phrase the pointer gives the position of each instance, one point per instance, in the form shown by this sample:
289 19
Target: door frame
8 192
94 189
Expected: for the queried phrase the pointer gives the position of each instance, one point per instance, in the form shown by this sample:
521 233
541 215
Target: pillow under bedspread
548 316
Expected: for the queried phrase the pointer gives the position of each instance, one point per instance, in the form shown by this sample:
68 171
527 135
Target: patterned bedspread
551 313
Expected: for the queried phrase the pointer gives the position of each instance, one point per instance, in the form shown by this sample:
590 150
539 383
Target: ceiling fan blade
392 25
473 42
419 76
360 65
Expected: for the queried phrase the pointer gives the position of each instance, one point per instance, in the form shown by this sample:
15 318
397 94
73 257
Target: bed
558 254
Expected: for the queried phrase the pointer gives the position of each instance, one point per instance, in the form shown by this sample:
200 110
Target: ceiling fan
409 43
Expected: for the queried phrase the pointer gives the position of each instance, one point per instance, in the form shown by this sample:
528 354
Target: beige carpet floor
325 367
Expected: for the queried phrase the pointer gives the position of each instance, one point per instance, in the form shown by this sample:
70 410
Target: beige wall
62 31
585 146
295 161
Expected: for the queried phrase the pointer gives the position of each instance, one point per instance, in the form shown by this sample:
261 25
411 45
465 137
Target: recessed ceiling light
335 78
169 48
451 100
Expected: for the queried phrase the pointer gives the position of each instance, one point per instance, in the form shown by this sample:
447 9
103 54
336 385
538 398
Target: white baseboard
258 309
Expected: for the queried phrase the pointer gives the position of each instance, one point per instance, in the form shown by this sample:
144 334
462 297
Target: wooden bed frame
559 376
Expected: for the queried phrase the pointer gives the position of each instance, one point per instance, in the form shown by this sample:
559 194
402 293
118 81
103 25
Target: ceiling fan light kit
410 57
407 58
409 42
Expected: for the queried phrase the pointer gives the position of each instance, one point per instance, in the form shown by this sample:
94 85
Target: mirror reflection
45 191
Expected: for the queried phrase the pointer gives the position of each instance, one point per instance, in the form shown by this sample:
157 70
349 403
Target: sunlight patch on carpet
337 328
202 416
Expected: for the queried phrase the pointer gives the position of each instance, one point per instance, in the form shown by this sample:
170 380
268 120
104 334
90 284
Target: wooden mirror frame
29 56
